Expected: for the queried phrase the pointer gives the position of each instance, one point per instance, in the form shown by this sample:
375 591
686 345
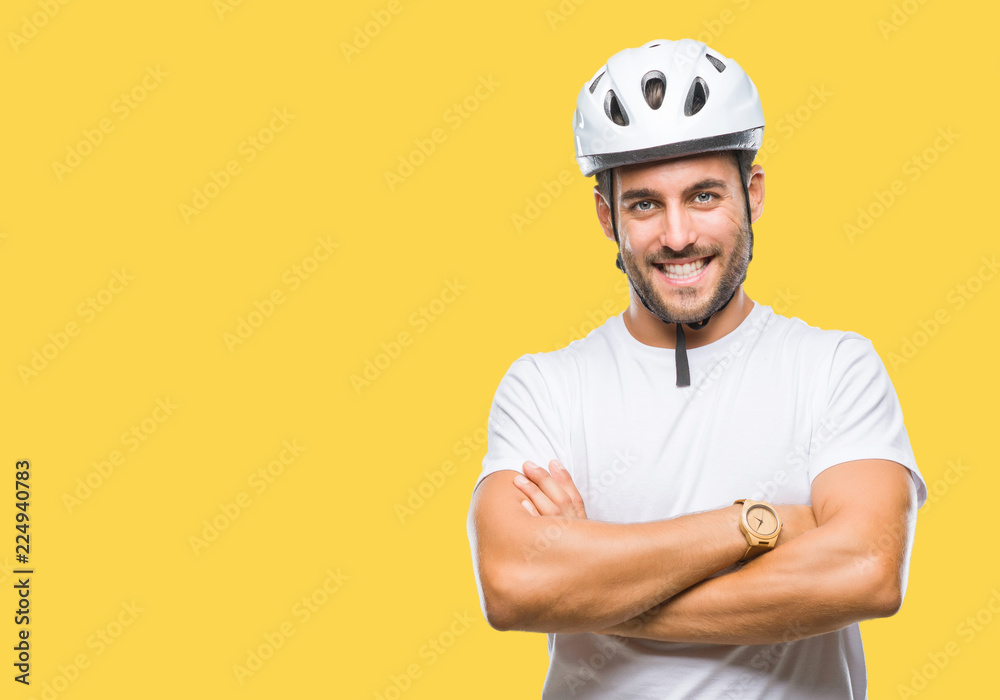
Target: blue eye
708 196
644 205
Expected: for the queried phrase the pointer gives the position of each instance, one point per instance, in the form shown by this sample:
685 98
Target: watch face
762 520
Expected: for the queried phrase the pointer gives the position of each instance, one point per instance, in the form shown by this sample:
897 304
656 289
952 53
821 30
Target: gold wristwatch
760 523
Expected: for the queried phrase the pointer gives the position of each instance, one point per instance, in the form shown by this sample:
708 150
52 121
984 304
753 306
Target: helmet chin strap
680 352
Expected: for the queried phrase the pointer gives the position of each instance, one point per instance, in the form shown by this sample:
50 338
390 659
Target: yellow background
406 578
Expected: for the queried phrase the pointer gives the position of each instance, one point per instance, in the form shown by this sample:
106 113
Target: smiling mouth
683 271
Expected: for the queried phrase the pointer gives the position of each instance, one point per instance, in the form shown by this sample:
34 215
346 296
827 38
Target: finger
529 507
565 480
562 474
551 488
541 502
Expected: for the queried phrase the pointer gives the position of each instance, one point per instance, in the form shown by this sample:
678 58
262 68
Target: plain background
484 246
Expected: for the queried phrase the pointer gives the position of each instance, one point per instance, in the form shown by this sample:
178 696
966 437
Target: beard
686 308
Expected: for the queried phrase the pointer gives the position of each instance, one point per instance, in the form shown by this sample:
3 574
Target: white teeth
679 272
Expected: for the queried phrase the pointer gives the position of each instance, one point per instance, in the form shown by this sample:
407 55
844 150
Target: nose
677 228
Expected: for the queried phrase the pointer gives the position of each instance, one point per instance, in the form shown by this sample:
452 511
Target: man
724 502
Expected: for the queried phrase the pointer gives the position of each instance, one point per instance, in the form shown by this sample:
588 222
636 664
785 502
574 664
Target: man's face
685 236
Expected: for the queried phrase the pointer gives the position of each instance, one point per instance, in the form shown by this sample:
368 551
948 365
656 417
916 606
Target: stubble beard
733 274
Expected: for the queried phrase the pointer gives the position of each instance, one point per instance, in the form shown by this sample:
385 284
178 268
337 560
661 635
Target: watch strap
754 549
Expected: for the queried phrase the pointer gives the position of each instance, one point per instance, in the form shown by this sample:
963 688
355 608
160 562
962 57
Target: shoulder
561 365
821 345
841 365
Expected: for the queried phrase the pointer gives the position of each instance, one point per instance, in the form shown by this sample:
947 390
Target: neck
650 330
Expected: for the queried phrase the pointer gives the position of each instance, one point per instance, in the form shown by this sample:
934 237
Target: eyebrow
646 193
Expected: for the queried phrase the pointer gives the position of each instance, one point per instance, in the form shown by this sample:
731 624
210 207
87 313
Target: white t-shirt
771 405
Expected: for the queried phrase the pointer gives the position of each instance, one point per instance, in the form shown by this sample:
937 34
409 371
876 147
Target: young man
726 501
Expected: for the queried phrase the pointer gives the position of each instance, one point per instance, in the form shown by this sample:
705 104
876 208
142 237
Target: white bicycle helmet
667 99
709 104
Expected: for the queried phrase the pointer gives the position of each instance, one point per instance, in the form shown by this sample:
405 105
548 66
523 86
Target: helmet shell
709 104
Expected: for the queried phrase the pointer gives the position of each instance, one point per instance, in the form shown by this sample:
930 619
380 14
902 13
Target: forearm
559 574
812 585
605 573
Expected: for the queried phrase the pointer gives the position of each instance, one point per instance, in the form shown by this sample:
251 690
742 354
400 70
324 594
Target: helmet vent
696 97
654 85
614 110
652 46
593 85
719 65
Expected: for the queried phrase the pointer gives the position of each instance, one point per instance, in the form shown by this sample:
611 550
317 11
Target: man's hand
550 494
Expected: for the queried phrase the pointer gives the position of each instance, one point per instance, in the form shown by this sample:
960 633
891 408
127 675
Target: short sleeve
525 421
860 414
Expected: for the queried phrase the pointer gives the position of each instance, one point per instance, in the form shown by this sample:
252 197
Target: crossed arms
542 566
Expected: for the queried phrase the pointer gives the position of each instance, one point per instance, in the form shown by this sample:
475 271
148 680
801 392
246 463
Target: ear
755 189
604 214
